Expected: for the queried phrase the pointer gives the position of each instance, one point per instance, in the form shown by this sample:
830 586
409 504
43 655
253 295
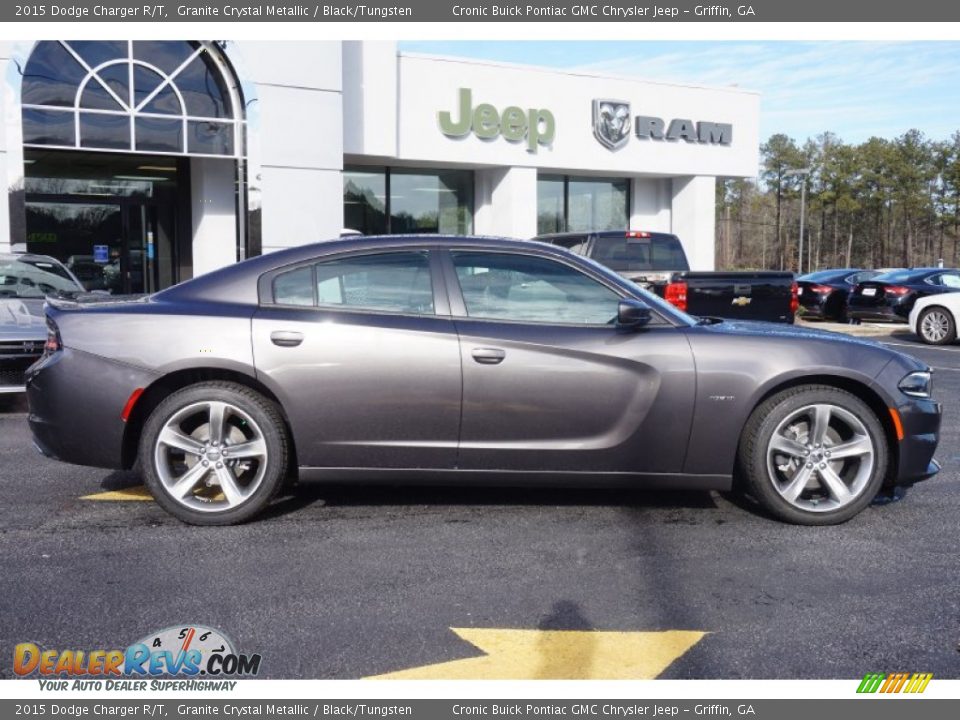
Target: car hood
22 319
770 329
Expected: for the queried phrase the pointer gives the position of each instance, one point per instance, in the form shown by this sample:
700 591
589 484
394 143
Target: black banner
478 11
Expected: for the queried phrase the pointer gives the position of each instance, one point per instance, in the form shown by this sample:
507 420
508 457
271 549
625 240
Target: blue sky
855 89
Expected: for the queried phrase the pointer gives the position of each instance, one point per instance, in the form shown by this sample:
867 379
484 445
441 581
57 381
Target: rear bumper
881 313
812 311
75 402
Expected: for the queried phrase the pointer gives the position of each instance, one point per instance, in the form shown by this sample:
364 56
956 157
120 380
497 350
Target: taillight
676 295
794 297
898 290
53 343
821 289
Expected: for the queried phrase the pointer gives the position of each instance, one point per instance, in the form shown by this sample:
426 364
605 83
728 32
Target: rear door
363 354
550 383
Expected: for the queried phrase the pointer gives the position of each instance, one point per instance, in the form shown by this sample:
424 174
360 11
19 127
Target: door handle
489 356
286 338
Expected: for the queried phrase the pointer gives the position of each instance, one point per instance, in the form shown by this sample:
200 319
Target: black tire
759 482
266 418
946 319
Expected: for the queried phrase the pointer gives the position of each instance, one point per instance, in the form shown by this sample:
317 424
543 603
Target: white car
934 318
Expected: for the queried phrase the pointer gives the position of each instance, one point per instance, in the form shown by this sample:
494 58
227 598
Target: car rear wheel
214 453
936 326
814 455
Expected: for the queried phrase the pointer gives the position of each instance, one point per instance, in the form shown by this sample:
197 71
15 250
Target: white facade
312 108
672 183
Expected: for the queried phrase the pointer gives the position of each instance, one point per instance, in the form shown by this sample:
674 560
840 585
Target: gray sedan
25 281
467 360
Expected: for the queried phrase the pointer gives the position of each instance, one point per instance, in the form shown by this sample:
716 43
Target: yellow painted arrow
558 655
138 492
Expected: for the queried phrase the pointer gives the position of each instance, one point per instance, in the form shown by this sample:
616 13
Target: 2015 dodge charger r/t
467 360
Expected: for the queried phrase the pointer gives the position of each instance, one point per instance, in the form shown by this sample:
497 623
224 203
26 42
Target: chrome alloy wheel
934 326
210 456
820 458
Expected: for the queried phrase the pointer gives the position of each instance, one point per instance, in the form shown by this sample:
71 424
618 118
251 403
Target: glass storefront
111 219
403 200
578 204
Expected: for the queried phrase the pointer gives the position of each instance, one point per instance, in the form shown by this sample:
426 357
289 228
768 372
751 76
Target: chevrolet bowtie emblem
741 301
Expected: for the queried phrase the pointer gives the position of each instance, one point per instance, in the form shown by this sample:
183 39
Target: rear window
900 276
825 275
654 253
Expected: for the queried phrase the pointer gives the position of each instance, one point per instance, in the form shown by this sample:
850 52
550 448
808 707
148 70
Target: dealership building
144 163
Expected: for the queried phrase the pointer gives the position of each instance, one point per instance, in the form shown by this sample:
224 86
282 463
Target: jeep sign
536 126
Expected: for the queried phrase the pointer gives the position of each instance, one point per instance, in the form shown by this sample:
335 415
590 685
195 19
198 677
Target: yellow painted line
138 492
558 655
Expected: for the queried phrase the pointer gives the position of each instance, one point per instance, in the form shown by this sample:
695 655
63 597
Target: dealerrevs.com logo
197 657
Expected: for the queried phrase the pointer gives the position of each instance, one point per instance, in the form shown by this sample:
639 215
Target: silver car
467 360
25 282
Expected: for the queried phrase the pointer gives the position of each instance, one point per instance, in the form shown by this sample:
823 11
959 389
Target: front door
118 245
551 384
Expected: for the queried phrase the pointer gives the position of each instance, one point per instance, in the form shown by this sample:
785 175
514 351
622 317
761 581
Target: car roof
28 256
603 233
234 281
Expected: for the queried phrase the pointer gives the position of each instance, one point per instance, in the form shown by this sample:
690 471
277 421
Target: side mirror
633 313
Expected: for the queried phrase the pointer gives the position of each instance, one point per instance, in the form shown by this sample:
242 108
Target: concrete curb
862 330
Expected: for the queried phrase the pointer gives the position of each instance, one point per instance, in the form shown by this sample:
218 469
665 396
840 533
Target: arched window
130 96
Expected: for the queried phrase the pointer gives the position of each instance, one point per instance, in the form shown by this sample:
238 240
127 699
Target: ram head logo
611 123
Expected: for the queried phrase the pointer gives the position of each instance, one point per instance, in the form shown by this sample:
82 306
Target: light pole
800 172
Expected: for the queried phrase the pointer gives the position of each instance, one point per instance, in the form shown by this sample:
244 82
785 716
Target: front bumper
921 433
75 402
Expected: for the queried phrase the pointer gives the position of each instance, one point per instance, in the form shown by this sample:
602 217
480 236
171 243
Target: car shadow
304 495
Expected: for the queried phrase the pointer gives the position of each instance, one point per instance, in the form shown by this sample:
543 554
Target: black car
823 294
891 296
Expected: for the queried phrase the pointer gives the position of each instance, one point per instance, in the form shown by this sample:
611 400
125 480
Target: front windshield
34 278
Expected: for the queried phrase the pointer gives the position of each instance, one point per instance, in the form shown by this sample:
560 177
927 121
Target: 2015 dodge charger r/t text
427 359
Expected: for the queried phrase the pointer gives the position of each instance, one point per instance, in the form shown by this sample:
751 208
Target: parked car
823 294
934 318
25 280
890 296
467 360
656 261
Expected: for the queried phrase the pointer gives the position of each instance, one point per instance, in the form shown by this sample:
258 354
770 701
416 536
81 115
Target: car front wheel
813 455
936 326
214 453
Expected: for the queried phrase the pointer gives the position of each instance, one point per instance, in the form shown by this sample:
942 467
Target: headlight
917 384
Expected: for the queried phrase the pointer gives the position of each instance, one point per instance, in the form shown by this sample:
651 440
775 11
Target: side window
950 280
524 288
392 282
294 287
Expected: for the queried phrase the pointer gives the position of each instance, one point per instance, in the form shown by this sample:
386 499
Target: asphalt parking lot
345 583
